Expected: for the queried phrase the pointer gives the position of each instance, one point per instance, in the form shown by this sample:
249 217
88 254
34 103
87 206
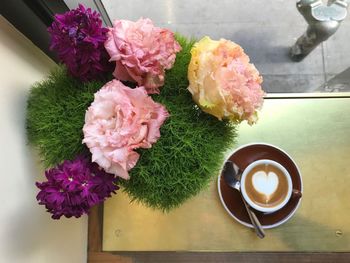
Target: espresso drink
266 185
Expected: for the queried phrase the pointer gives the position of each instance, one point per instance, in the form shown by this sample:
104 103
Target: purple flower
73 187
78 37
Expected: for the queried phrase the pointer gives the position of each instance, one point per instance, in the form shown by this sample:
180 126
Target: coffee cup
266 185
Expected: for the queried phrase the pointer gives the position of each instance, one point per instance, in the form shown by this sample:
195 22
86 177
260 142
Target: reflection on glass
266 30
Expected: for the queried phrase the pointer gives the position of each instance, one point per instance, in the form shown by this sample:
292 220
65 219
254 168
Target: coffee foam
266 185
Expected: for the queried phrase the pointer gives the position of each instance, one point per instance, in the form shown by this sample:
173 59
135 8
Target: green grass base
55 116
188 154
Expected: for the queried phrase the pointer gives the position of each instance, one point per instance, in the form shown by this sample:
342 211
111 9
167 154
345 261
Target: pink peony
120 120
223 82
142 52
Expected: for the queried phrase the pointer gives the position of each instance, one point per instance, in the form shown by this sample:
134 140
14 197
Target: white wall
27 233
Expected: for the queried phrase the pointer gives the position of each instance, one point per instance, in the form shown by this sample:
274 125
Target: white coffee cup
268 184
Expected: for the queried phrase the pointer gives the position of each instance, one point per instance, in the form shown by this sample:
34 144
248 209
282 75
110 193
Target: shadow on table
303 234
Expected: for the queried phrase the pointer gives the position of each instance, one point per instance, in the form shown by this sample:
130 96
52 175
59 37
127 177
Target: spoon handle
255 221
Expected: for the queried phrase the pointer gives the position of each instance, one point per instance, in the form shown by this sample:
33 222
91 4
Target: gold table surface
316 133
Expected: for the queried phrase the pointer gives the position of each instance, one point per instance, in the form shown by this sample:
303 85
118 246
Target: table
315 131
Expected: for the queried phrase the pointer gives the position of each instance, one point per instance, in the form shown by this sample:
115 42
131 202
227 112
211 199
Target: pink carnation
120 120
142 52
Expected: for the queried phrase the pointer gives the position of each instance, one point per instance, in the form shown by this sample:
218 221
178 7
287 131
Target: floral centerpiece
138 108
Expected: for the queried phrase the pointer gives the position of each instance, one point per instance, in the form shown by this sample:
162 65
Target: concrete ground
265 29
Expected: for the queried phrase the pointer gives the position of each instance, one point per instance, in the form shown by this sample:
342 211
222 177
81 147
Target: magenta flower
78 37
73 187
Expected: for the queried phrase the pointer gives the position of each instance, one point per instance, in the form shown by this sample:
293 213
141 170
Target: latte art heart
265 183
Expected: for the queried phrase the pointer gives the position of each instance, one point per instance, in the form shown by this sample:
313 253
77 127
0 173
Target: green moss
55 116
183 161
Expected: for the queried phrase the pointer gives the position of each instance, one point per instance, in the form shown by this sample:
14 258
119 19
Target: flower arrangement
137 127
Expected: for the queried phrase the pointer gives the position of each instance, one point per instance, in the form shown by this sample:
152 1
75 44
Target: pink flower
223 82
142 52
120 120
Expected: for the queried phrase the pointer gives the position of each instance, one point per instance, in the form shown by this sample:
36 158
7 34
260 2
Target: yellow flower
223 82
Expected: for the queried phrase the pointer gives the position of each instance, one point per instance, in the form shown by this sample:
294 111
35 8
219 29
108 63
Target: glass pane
265 29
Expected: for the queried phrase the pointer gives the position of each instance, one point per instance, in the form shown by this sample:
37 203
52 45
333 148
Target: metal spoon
232 176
